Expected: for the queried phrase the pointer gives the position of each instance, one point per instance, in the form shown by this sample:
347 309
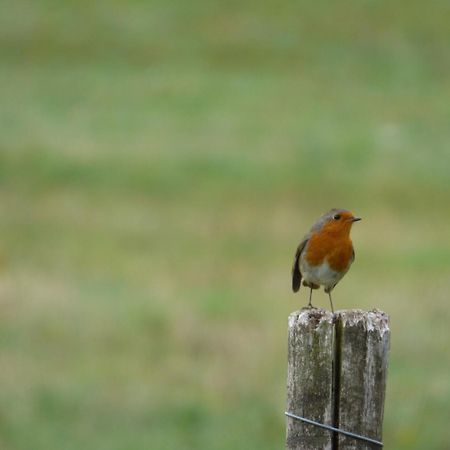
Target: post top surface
371 320
308 315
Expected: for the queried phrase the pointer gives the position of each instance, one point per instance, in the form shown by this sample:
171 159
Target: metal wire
338 430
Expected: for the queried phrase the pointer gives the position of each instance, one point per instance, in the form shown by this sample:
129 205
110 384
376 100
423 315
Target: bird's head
339 221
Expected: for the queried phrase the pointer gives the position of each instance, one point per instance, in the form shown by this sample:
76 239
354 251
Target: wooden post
310 378
362 345
337 368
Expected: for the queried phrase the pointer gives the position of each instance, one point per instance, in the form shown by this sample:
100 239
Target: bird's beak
355 219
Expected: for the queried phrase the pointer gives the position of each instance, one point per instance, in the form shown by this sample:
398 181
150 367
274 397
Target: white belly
321 275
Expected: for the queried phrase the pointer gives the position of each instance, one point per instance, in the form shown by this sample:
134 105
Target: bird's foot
309 306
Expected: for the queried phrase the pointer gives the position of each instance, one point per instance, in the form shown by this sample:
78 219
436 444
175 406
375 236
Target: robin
325 254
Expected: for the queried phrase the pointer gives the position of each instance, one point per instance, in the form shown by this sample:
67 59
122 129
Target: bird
325 254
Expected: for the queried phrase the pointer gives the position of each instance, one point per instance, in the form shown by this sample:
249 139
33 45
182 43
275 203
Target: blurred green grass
158 165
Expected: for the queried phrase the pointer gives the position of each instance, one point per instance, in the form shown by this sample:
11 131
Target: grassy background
159 162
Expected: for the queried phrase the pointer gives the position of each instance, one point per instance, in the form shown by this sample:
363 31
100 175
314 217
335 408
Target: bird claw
309 307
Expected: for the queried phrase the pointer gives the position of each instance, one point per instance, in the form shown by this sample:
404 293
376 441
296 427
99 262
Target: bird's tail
296 274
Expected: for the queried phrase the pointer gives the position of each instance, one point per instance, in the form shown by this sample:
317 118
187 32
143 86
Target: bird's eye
336 216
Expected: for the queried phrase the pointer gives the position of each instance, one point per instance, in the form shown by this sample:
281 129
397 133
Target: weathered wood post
362 345
310 378
337 367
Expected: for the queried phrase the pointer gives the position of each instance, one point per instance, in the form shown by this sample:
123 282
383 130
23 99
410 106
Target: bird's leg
331 302
310 298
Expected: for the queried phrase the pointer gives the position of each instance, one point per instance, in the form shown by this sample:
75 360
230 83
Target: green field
159 163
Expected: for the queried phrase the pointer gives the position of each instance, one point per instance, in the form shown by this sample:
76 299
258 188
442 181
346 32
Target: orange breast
336 249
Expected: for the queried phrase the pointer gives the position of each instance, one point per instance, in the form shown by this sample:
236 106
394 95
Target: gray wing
296 274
